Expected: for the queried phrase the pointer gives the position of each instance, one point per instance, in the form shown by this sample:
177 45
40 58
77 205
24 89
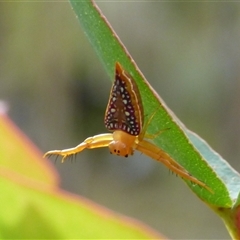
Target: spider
124 116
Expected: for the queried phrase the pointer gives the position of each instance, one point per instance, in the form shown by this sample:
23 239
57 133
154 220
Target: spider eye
126 155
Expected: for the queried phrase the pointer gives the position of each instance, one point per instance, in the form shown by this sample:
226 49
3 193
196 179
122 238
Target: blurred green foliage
33 207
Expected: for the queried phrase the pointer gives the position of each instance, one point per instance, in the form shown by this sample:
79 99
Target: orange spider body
124 116
123 144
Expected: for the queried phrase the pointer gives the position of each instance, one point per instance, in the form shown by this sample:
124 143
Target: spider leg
101 140
152 136
55 160
142 134
158 154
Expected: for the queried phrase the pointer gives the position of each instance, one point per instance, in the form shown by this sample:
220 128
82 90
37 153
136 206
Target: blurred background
56 91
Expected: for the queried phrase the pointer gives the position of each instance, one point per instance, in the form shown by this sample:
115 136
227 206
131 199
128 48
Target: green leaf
177 141
188 149
33 207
